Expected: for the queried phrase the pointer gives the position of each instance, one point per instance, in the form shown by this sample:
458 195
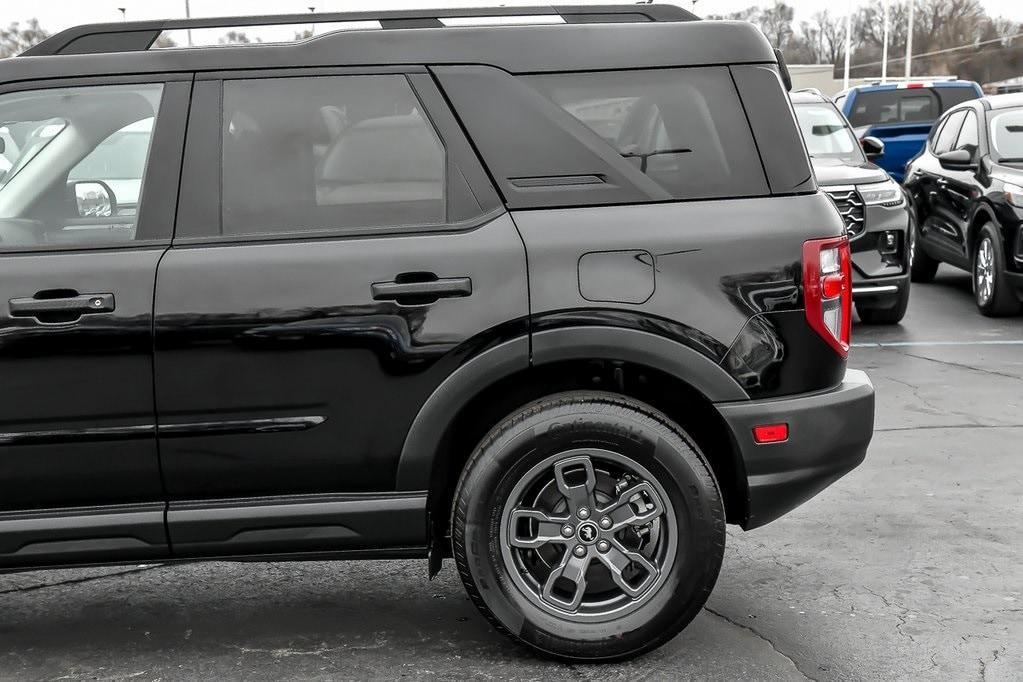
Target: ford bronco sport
556 296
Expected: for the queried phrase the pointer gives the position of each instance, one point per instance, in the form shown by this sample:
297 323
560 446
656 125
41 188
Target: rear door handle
423 291
65 307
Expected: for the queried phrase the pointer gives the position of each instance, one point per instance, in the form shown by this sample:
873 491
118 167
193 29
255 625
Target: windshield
906 105
827 134
1007 135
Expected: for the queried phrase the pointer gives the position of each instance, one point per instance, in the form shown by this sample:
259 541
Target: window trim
459 154
159 197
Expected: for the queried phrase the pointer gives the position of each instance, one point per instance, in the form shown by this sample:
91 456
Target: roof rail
810 91
138 36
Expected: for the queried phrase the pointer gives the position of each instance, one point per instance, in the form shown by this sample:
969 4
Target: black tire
600 425
992 291
922 267
889 315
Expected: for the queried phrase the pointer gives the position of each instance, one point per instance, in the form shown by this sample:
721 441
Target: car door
937 228
355 254
80 478
960 187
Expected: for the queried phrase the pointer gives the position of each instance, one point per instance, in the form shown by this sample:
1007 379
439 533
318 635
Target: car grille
850 205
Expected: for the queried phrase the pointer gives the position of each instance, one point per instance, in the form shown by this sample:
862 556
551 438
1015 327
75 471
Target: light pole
848 41
124 13
909 41
188 15
884 45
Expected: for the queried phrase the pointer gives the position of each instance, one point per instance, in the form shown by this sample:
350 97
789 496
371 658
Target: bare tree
17 38
234 38
776 23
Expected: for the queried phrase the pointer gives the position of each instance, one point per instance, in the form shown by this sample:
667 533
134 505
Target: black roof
641 36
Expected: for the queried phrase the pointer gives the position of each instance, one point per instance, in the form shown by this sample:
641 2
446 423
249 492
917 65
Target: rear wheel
588 527
991 290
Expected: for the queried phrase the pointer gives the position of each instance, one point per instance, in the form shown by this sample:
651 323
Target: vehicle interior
66 150
322 153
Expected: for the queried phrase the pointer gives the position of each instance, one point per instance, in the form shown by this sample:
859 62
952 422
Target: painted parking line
910 344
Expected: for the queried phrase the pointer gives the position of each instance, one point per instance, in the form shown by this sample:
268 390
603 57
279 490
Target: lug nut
579 551
603 546
583 513
567 530
605 522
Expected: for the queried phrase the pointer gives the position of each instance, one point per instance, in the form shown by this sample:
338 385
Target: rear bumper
828 436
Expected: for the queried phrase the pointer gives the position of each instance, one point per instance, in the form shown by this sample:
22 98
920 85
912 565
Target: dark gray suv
552 292
876 213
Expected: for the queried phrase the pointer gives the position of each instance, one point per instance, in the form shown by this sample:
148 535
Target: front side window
73 163
949 132
327 153
826 133
969 135
1007 135
684 128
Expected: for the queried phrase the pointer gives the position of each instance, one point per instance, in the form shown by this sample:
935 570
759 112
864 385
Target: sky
59 14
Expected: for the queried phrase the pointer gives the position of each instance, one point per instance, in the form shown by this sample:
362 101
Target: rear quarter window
683 128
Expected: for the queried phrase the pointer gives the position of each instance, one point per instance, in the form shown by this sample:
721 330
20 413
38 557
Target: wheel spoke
635 506
572 569
547 528
578 493
618 558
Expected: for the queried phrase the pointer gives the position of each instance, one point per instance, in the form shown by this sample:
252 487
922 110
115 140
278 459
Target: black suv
967 188
557 299
873 206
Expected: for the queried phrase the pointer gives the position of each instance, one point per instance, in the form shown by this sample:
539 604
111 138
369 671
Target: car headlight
1014 194
887 193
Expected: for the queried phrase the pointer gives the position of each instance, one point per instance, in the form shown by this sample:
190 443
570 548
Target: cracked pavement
908 568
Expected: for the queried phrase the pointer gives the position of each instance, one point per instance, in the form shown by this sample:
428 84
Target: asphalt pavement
910 567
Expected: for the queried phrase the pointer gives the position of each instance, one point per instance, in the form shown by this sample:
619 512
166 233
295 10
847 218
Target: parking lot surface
911 567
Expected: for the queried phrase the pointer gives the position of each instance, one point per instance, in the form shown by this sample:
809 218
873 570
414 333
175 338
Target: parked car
901 114
967 187
873 206
500 292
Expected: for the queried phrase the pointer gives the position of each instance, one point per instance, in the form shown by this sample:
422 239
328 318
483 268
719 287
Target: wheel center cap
587 533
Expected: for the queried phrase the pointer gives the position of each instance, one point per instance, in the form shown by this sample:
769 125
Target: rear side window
683 128
328 153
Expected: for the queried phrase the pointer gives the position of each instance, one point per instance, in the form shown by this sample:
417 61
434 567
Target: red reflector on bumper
770 433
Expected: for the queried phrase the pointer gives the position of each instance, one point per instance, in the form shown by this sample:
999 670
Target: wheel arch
982 215
674 378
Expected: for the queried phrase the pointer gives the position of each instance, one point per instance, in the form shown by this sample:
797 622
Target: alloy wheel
588 535
984 271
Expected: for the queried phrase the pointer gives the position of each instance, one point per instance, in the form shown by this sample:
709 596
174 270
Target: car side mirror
957 159
95 199
872 147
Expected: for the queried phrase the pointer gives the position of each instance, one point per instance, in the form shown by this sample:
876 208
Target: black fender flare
982 213
425 436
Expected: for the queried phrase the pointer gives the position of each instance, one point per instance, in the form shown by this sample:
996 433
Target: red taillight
770 433
827 290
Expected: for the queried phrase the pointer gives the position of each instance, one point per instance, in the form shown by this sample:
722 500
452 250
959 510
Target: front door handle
64 308
422 290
